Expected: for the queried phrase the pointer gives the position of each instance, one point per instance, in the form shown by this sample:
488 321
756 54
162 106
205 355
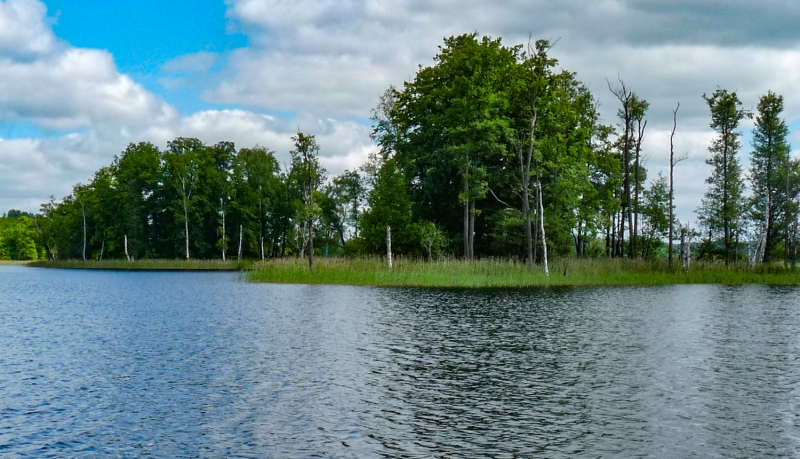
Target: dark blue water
144 364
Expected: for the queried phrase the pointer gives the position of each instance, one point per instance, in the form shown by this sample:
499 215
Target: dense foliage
492 151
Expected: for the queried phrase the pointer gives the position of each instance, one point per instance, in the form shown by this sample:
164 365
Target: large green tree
769 172
722 207
451 122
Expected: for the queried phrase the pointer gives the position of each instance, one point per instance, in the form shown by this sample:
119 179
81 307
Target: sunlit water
155 364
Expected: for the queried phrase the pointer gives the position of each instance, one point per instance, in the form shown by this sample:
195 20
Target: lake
186 365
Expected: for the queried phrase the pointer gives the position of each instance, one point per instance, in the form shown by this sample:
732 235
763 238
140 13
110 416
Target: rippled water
144 364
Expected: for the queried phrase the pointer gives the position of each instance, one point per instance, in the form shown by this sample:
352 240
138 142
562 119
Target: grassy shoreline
454 273
147 265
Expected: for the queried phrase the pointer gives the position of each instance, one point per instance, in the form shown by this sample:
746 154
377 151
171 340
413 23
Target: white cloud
327 62
23 29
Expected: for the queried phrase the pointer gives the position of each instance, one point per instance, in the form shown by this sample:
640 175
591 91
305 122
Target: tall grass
510 273
451 272
155 265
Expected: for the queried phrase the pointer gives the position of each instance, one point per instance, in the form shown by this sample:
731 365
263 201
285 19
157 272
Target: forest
491 152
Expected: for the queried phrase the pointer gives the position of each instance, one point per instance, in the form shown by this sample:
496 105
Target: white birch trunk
541 220
389 246
684 253
240 244
186 225
222 206
126 249
83 211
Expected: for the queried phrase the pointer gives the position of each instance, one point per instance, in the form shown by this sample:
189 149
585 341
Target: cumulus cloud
23 29
326 62
92 111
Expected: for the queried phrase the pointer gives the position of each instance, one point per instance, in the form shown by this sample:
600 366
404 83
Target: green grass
14 262
458 273
503 273
145 265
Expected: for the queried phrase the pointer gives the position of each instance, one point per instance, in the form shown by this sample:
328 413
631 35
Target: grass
451 272
145 265
14 262
504 273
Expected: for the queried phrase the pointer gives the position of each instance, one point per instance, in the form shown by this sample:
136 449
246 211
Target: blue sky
81 79
143 35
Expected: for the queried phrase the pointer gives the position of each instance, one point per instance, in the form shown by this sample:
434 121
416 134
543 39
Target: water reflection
198 365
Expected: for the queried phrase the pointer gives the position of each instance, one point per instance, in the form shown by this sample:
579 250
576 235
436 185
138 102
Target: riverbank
147 265
502 273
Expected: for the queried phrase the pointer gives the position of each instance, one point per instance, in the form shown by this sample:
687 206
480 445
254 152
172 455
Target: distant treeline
490 152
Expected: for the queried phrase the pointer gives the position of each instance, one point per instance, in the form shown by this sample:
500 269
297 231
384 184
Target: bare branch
500 200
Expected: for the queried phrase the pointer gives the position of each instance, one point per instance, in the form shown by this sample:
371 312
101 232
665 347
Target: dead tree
672 162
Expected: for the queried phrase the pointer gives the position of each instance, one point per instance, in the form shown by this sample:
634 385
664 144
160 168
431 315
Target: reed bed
148 265
457 273
489 273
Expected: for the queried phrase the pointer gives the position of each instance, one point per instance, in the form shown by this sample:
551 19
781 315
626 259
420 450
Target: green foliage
389 205
18 238
464 150
721 211
656 216
771 173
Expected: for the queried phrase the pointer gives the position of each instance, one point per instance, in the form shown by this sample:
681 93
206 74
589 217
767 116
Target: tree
722 207
452 120
536 77
18 237
182 167
308 174
431 237
656 215
672 162
389 205
138 171
631 114
768 172
255 187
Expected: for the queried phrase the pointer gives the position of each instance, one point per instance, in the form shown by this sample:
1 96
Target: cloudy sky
80 79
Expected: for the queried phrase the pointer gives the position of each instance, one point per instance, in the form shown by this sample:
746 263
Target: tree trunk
239 258
223 228
472 230
83 211
726 224
541 220
186 224
786 248
671 182
126 249
466 220
310 244
389 246
535 236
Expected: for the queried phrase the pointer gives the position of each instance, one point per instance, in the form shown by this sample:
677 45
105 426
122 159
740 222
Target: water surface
171 364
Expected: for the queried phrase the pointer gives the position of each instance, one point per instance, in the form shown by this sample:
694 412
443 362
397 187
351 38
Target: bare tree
624 95
672 162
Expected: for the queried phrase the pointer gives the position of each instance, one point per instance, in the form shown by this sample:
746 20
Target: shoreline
454 273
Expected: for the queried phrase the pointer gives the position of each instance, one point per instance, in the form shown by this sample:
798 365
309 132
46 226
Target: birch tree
768 159
308 174
722 207
182 170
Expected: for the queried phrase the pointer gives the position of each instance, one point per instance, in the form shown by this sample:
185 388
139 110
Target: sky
81 79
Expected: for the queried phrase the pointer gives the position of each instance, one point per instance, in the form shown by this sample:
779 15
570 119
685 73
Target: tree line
490 152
